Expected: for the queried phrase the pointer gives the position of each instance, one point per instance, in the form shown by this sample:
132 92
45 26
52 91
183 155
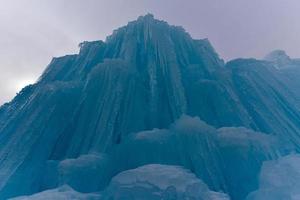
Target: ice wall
111 107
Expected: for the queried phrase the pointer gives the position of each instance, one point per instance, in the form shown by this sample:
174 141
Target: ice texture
148 94
227 159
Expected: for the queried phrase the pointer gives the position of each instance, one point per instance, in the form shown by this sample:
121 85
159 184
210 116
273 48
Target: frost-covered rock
151 182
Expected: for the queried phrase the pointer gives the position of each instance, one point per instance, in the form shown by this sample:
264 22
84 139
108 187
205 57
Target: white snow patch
279 180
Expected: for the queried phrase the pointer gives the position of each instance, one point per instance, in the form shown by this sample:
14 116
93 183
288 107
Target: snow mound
279 180
87 173
159 182
62 193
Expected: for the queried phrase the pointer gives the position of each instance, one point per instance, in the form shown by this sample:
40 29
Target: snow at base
279 180
63 193
151 182
234 157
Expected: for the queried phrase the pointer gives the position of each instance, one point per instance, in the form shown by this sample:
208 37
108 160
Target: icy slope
90 115
289 71
269 101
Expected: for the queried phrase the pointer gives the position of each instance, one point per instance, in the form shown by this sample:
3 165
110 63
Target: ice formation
151 102
225 159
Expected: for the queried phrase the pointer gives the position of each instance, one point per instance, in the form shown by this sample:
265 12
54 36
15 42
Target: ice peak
277 55
149 20
146 17
279 58
148 26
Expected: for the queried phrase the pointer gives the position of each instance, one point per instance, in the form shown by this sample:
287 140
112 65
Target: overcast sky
34 31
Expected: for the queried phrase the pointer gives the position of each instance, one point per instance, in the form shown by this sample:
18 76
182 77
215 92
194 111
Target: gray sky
34 31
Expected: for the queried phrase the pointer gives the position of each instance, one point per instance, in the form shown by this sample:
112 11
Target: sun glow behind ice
20 84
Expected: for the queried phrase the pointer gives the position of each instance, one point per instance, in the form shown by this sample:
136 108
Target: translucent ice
125 102
227 159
